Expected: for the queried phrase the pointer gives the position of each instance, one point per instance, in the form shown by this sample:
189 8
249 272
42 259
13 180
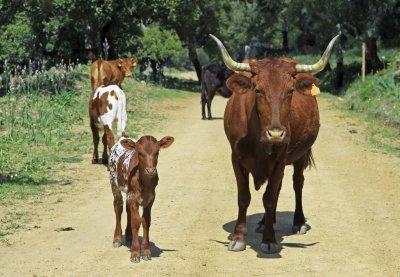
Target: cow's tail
121 113
99 71
310 162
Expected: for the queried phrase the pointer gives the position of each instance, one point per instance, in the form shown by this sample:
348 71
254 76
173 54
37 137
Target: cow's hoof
104 160
260 228
146 257
270 248
209 118
117 244
237 245
95 161
302 229
135 259
203 118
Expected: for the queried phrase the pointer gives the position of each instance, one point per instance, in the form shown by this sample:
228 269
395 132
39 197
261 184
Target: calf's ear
238 83
128 144
305 83
134 62
166 142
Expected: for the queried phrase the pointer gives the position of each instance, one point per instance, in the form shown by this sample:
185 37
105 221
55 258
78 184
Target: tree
158 46
192 21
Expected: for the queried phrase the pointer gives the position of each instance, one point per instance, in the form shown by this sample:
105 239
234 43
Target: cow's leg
118 203
108 142
209 101
104 157
203 102
135 225
261 223
146 222
269 244
96 138
299 221
238 238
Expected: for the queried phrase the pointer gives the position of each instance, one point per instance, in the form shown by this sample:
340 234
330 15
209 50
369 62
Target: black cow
213 79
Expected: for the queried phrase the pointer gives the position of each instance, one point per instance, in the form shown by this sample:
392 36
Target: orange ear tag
314 90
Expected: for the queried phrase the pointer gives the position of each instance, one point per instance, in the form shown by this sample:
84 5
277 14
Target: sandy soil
351 202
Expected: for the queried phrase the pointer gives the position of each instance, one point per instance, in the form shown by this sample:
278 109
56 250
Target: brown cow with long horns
271 121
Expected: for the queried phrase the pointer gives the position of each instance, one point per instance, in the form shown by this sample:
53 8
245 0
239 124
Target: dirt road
351 202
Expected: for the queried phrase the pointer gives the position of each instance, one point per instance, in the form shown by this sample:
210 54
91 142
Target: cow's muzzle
151 171
275 135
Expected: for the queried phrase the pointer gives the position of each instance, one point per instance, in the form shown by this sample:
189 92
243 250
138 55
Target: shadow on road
283 228
155 250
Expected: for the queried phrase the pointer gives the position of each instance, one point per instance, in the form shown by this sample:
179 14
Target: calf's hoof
146 257
236 246
270 248
135 259
301 229
209 118
260 228
117 244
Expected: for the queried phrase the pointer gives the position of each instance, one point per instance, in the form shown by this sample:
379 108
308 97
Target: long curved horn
320 65
229 62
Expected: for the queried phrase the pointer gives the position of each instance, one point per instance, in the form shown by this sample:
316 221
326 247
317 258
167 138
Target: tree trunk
374 64
106 33
194 59
285 41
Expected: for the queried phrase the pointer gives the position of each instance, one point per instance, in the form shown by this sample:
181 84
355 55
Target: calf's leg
238 238
299 221
128 230
96 138
118 202
135 225
146 222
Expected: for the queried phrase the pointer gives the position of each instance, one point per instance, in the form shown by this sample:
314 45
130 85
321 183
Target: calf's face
148 148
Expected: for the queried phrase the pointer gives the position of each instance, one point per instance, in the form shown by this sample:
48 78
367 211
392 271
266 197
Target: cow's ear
120 63
166 142
306 84
239 83
128 144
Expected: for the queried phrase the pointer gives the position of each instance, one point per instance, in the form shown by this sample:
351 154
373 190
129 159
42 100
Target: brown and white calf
133 170
106 105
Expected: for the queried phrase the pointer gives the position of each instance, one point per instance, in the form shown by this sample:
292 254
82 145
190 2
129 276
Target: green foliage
378 96
16 40
158 44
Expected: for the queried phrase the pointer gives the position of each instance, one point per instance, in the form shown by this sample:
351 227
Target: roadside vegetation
42 129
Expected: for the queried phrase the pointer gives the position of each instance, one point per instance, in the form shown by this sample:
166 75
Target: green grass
40 132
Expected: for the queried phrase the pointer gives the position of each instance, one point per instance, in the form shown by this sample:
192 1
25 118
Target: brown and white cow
106 105
104 73
271 121
133 170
